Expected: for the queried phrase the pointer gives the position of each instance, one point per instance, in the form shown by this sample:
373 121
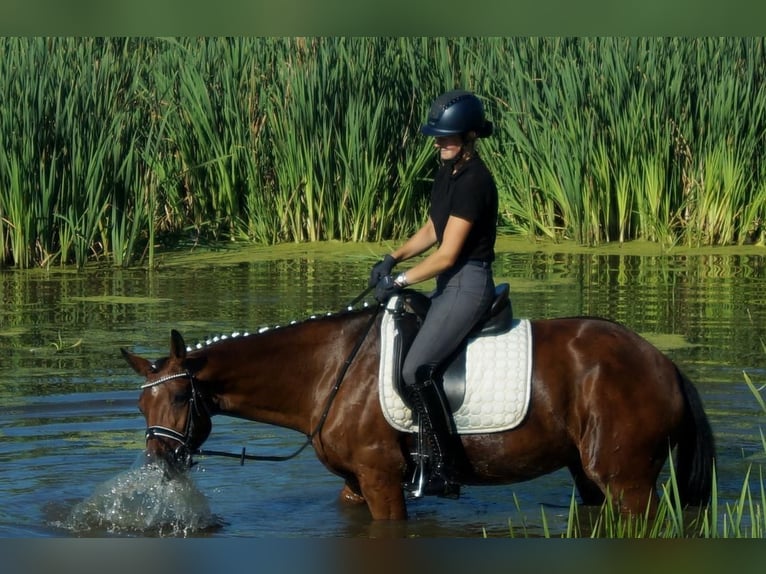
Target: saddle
409 310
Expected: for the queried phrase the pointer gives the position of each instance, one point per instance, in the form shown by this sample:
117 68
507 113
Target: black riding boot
433 417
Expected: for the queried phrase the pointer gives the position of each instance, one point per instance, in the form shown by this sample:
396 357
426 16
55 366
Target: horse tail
695 455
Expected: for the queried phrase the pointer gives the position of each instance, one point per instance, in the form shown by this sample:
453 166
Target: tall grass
110 148
70 128
744 517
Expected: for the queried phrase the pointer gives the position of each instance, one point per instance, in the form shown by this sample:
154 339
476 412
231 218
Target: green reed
110 148
741 518
67 119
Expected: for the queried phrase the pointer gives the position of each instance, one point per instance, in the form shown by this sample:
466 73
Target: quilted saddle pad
497 373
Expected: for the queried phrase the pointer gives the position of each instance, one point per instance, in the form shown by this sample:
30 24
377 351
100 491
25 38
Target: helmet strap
467 151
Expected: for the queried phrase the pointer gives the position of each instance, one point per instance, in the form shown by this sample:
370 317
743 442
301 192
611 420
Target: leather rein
198 407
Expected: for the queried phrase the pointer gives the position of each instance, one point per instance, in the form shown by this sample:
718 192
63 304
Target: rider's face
448 146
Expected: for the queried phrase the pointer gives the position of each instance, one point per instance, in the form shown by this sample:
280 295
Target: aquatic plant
113 147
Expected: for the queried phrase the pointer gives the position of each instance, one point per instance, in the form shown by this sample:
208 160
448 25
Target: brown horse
605 403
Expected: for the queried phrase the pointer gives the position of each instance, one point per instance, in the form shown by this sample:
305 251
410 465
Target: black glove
386 288
380 270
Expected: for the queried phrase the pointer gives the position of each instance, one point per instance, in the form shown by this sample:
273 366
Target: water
143 501
72 436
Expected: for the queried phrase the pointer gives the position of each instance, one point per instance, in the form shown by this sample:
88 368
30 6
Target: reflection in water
68 413
143 501
716 303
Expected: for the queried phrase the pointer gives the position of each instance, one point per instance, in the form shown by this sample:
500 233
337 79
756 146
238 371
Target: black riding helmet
455 113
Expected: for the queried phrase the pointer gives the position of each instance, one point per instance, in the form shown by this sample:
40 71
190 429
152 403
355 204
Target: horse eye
181 397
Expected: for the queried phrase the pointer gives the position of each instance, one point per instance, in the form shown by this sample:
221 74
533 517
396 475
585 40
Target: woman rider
462 224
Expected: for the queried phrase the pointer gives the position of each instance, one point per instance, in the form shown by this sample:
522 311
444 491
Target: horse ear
178 351
140 365
177 345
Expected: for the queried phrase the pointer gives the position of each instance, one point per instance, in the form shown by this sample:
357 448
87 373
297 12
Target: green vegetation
744 518
110 148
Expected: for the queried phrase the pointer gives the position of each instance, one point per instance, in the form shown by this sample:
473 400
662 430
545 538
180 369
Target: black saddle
409 313
497 320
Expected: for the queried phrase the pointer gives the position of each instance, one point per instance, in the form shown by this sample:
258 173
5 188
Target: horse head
177 414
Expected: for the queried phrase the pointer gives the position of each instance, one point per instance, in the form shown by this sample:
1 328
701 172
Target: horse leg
350 494
590 492
383 492
637 499
632 489
633 481
625 469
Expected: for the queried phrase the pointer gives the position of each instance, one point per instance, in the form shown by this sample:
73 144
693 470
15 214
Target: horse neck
285 376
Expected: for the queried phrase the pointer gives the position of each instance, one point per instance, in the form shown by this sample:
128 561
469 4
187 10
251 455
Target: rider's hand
380 270
386 288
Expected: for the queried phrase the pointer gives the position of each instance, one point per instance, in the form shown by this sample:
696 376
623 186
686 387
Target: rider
462 223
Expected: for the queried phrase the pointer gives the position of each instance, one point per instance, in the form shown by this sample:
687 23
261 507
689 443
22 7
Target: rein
359 297
183 439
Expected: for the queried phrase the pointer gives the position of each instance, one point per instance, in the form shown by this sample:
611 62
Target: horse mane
213 339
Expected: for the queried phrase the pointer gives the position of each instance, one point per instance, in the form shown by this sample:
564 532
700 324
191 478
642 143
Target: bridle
196 411
184 450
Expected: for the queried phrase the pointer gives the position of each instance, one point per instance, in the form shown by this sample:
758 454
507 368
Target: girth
409 312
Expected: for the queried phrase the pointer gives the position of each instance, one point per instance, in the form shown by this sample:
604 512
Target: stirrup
435 485
415 488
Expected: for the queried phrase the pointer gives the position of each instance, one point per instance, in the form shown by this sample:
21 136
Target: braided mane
212 339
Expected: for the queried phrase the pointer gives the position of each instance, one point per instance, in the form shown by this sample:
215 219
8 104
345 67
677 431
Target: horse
604 403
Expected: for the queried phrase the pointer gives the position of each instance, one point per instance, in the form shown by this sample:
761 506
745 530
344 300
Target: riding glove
386 288
380 270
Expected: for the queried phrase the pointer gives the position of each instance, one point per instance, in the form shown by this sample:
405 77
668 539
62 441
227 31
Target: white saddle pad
498 373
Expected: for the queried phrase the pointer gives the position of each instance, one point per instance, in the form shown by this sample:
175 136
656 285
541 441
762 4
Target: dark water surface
71 433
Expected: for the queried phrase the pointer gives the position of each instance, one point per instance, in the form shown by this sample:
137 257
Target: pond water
71 434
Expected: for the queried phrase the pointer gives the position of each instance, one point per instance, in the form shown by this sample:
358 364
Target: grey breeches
461 299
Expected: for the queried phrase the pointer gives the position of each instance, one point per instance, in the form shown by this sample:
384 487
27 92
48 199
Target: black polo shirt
470 194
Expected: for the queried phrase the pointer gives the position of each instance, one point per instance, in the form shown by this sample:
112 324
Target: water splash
143 501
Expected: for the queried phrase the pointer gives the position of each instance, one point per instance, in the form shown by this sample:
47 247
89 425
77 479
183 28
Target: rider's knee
417 374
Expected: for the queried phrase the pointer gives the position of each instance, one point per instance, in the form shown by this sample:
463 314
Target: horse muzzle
168 447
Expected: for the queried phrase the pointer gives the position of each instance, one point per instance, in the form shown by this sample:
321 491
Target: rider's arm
455 234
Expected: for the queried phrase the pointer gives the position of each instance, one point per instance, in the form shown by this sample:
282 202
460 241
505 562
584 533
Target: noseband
184 450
